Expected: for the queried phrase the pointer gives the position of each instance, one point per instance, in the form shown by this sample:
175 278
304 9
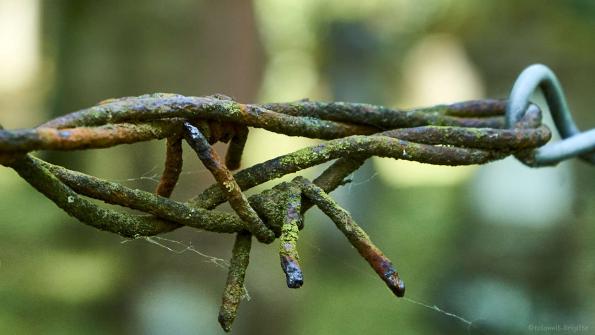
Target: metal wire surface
472 132
574 141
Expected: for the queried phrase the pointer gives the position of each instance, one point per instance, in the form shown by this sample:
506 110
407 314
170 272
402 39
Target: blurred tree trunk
131 49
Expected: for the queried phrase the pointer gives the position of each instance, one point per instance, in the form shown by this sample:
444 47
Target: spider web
352 266
154 174
178 247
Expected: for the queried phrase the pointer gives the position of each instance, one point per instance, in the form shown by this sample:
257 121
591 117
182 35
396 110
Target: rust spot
244 109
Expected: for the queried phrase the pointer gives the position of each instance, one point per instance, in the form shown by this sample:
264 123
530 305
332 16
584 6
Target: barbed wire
472 132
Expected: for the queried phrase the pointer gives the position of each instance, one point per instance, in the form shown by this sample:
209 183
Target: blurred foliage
60 277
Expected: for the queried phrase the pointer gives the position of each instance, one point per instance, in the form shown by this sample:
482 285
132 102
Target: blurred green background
507 248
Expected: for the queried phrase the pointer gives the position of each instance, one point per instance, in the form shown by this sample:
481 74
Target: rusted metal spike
227 183
355 234
173 167
288 241
233 157
234 288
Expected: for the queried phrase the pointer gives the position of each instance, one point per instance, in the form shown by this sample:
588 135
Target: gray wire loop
574 141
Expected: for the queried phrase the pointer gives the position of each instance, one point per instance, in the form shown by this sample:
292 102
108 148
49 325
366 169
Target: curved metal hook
574 143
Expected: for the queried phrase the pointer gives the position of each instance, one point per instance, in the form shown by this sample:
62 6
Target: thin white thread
149 175
367 180
440 310
155 177
350 178
434 308
354 183
187 247
219 262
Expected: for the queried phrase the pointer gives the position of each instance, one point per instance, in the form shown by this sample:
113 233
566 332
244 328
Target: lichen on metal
471 132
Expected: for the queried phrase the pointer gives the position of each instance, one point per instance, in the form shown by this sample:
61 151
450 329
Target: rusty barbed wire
472 132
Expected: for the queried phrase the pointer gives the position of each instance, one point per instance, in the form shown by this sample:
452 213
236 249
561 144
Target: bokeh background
509 249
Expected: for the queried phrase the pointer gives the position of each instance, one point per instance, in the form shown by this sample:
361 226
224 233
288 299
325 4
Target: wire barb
355 234
228 185
234 288
173 166
288 241
233 157
465 133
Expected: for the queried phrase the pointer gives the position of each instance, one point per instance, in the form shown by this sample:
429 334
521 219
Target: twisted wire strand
472 132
